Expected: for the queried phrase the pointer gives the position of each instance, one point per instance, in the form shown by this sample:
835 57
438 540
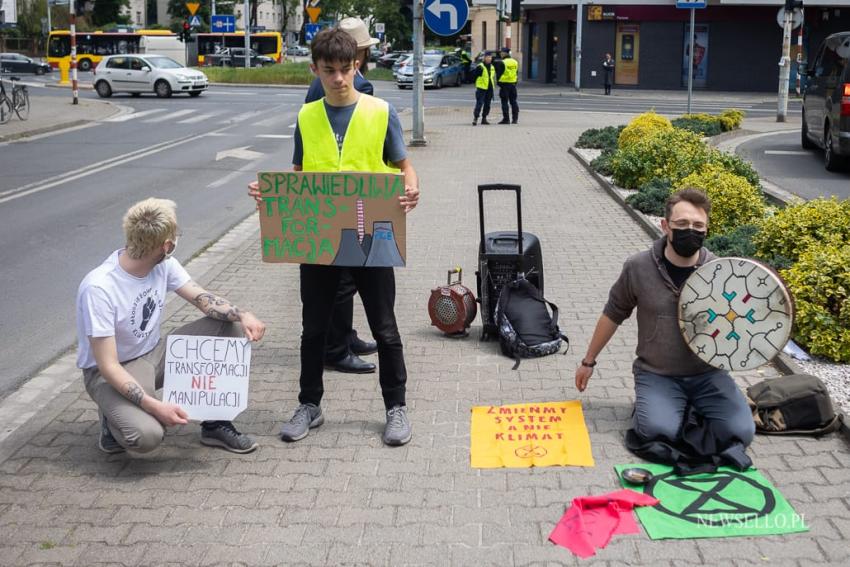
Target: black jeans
341 330
376 287
482 99
507 92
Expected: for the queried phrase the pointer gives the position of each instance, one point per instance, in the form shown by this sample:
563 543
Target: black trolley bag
502 256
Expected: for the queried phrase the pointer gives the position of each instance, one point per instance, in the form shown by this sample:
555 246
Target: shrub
737 242
731 119
736 165
600 138
651 197
820 285
643 127
669 154
734 201
702 124
791 231
602 163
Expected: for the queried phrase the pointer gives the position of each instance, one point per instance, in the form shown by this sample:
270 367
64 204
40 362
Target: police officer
507 86
485 85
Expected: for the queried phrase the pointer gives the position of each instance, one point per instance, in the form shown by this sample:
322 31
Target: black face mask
687 241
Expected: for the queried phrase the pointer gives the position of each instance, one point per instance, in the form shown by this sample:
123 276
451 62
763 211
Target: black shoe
513 121
223 434
484 121
351 364
475 122
361 348
504 121
107 442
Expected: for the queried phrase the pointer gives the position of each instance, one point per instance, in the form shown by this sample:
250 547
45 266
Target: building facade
737 44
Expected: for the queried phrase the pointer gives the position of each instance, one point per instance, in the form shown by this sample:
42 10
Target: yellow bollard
64 69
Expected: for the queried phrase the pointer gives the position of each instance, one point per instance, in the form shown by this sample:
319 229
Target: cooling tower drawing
384 251
349 252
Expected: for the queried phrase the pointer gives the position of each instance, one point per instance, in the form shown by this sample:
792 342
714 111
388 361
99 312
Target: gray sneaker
223 434
398 431
306 417
107 442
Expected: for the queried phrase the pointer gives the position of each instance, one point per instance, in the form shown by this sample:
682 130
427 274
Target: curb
645 223
259 85
783 363
80 86
74 124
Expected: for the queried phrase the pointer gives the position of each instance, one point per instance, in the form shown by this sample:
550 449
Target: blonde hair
148 224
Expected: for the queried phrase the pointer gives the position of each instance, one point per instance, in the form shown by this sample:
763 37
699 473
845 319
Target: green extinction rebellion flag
725 503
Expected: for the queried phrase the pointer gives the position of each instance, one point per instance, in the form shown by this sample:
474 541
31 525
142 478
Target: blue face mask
687 241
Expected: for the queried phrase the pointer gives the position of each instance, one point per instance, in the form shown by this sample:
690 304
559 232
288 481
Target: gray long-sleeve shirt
644 284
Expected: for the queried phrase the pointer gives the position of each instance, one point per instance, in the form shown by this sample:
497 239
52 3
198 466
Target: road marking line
171 116
134 115
787 152
198 118
232 175
245 116
274 136
94 168
267 122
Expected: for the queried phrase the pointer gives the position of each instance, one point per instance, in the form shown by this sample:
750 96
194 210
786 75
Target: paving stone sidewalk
341 497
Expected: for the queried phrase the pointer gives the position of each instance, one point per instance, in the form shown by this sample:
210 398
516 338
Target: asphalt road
780 159
62 196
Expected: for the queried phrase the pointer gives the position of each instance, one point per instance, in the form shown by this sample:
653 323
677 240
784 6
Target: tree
109 12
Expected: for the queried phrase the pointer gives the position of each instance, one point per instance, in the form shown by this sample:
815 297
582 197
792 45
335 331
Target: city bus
93 46
269 44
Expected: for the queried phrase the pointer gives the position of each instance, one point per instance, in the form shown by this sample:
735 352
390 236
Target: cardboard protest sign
526 435
333 218
207 376
725 503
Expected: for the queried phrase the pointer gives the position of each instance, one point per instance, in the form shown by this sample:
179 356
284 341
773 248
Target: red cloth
591 521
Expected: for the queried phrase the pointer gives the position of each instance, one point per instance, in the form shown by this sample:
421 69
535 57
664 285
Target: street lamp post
579 22
418 138
73 24
247 21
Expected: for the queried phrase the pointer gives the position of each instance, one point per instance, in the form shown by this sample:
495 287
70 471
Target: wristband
588 364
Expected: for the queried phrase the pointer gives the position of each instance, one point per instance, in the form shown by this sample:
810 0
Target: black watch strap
588 364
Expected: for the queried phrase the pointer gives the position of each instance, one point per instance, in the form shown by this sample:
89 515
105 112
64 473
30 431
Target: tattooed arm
217 307
106 355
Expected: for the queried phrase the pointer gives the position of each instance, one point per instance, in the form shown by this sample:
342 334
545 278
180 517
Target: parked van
167 45
826 102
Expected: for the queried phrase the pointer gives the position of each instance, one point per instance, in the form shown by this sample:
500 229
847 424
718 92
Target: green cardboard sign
726 503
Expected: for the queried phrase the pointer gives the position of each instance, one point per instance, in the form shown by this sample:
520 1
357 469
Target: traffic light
791 4
187 31
515 10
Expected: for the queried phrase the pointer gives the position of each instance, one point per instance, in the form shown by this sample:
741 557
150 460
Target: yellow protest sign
193 7
529 435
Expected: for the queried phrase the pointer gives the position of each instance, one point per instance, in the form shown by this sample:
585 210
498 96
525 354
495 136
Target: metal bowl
636 475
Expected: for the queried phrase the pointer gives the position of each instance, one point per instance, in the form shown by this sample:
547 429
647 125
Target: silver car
137 74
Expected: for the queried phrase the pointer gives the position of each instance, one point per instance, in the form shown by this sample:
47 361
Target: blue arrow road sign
446 17
310 31
691 3
195 21
223 24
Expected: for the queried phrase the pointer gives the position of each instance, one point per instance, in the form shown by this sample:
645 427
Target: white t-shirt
111 302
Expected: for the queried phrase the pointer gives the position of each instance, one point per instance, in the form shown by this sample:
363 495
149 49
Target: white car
137 74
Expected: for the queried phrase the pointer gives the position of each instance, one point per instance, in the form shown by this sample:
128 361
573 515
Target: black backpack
798 404
526 328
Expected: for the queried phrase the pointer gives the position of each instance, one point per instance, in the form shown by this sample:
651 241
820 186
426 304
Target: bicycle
20 101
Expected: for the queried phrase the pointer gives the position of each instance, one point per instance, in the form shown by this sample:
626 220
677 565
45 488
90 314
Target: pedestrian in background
507 79
485 86
608 66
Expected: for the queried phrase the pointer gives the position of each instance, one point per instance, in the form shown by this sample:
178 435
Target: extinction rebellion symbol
717 500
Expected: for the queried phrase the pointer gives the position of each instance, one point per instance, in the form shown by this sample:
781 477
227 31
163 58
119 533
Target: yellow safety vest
509 74
362 147
486 77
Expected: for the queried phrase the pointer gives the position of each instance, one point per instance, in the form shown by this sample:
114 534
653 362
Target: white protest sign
207 376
